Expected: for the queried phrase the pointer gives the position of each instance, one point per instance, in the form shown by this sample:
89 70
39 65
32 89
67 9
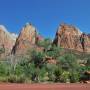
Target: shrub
3 79
68 61
65 77
16 79
42 74
57 74
74 76
4 68
38 58
54 52
46 44
50 70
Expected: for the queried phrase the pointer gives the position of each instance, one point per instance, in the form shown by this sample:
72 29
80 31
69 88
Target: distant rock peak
6 40
68 36
68 28
26 39
11 35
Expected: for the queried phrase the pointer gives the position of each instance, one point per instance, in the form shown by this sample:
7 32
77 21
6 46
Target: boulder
50 60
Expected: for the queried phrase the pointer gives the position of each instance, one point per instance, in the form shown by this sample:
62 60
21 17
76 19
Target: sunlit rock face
25 40
7 40
68 36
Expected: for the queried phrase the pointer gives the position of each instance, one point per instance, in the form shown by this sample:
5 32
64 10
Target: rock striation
25 40
7 40
68 36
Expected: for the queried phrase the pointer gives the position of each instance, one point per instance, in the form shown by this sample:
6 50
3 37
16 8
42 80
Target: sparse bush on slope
33 67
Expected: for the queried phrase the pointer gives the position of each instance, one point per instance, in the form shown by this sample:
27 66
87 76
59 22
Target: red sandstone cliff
68 36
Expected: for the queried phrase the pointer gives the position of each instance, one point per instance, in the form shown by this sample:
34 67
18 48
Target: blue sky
45 15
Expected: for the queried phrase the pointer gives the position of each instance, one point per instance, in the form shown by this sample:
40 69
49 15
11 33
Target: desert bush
33 68
50 70
42 73
68 61
4 68
65 77
57 74
74 76
54 52
82 71
46 44
16 79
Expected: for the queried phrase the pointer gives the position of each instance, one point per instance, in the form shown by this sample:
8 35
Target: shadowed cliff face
89 36
68 36
7 40
25 40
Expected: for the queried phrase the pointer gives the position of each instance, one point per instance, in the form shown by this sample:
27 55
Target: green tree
38 58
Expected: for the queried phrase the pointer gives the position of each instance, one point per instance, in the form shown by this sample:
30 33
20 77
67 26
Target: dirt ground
44 86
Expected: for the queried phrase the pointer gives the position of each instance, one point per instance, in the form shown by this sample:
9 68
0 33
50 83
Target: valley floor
44 86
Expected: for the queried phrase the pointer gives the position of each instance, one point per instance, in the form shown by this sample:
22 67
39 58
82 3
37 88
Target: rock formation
25 40
7 40
68 36
88 36
39 38
50 60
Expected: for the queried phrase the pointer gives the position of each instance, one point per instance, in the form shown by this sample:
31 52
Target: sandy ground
44 86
